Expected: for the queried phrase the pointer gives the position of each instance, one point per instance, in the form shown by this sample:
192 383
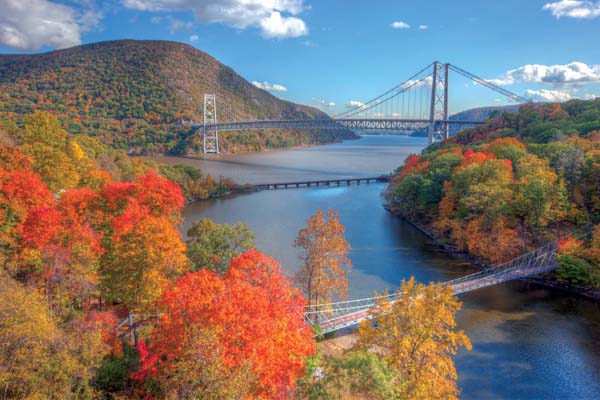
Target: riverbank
544 280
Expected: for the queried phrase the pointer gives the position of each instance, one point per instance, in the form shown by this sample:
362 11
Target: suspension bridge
335 316
418 103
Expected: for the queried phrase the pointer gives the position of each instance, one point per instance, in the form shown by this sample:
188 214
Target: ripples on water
528 342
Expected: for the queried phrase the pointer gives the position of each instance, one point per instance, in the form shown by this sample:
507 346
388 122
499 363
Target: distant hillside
482 113
473 114
130 94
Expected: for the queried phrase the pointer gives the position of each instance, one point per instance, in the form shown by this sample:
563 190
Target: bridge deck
320 182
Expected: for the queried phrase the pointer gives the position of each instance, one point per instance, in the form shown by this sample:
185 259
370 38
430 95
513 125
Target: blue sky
325 52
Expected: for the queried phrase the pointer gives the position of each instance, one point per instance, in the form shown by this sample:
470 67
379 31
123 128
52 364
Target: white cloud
194 38
581 9
240 14
548 95
423 27
276 26
322 103
400 25
272 87
354 104
575 72
413 84
32 24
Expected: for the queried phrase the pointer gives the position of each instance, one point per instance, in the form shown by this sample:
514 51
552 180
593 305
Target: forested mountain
132 93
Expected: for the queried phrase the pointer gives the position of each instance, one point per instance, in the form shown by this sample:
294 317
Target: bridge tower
210 134
438 115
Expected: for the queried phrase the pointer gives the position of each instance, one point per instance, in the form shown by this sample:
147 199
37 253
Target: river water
529 342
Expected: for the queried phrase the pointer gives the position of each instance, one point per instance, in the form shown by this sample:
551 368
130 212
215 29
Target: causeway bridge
322 182
418 103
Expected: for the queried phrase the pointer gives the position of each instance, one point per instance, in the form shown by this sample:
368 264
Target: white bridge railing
335 316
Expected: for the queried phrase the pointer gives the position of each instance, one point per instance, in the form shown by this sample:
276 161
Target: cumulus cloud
276 26
400 25
33 24
581 9
194 38
267 15
423 27
575 72
548 95
272 87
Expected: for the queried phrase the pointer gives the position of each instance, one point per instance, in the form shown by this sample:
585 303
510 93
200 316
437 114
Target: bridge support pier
438 114
210 134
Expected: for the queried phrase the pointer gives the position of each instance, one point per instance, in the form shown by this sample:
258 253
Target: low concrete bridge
321 182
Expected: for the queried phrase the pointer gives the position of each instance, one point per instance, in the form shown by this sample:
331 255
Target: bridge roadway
321 182
403 125
335 316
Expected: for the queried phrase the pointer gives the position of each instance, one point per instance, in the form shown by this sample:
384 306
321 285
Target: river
529 342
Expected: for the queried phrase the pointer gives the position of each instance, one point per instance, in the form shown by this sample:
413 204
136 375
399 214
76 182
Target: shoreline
581 291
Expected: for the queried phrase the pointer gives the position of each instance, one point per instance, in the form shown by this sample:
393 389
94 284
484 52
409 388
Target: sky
334 53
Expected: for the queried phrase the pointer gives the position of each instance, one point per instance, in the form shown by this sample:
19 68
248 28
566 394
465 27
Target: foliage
212 246
39 359
326 261
141 96
216 339
503 188
355 374
416 336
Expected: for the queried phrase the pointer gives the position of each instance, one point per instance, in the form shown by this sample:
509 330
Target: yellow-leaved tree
416 335
324 273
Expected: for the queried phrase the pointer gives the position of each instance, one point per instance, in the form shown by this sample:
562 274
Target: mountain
132 93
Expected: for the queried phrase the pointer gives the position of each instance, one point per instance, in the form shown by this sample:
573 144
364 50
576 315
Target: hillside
130 94
510 185
482 113
473 114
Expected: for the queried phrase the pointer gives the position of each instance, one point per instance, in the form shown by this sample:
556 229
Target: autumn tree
416 335
326 263
212 245
241 335
39 360
144 254
44 141
356 374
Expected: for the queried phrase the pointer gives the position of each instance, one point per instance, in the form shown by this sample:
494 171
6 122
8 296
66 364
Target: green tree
212 246
357 374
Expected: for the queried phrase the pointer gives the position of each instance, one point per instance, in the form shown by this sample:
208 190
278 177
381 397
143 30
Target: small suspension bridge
418 103
335 316
332 317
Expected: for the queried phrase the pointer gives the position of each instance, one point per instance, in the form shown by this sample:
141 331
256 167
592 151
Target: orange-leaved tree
326 263
237 335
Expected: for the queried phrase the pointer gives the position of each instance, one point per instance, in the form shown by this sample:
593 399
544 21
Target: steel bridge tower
210 135
438 115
